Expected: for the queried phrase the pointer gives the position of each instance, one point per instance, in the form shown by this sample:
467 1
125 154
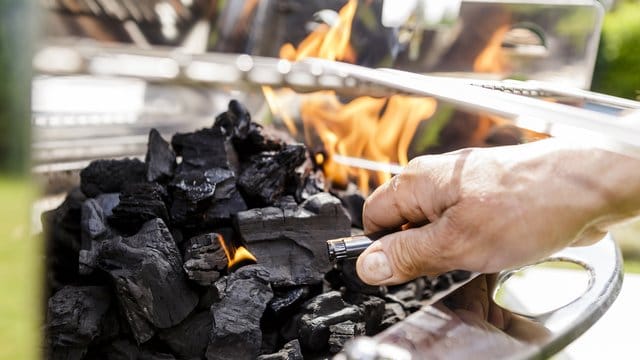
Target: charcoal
351 281
149 281
204 259
342 332
290 351
270 337
190 338
459 275
319 314
108 202
76 316
393 312
110 176
62 229
236 121
139 203
236 318
353 201
308 184
442 282
212 192
203 149
208 297
120 349
160 160
259 139
373 308
291 243
267 174
285 300
94 229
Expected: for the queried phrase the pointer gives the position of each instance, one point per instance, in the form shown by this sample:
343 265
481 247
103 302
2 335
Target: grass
20 265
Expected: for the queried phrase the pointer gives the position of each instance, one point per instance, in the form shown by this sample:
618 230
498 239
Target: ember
214 247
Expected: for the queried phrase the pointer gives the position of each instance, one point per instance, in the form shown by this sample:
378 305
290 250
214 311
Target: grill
169 83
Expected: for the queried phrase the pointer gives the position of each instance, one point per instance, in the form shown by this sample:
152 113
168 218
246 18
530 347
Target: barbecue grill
164 79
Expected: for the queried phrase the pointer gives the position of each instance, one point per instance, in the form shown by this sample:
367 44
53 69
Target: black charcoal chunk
120 349
94 229
150 283
198 196
76 316
204 259
139 203
407 295
259 139
350 280
441 282
62 234
459 275
287 299
236 330
110 176
373 307
342 332
160 160
291 242
236 121
203 149
264 179
353 201
290 351
189 339
393 312
319 314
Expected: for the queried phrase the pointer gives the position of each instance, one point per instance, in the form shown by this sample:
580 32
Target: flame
493 59
237 255
377 129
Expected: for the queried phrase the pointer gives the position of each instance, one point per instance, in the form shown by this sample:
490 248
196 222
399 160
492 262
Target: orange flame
377 129
237 255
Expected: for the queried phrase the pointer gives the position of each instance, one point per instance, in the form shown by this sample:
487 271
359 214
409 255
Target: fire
376 129
237 255
493 59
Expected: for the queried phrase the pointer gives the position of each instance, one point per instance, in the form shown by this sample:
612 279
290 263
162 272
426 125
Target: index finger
392 205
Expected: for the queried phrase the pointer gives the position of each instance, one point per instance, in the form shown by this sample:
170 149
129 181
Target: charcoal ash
160 161
236 330
204 259
146 269
290 351
110 176
139 203
290 242
76 317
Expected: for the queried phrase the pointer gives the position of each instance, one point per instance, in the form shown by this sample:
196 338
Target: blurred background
23 25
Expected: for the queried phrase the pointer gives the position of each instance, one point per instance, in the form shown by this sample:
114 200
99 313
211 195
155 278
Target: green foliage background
617 69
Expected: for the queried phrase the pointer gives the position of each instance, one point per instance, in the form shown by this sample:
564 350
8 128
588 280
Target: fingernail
376 267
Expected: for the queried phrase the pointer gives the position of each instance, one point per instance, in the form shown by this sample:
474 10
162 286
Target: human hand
494 208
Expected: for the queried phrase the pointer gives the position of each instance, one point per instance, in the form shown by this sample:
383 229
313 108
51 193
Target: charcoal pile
213 247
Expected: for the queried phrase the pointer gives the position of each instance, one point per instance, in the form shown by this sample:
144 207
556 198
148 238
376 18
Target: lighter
352 246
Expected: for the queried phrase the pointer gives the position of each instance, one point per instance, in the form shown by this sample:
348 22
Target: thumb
404 255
